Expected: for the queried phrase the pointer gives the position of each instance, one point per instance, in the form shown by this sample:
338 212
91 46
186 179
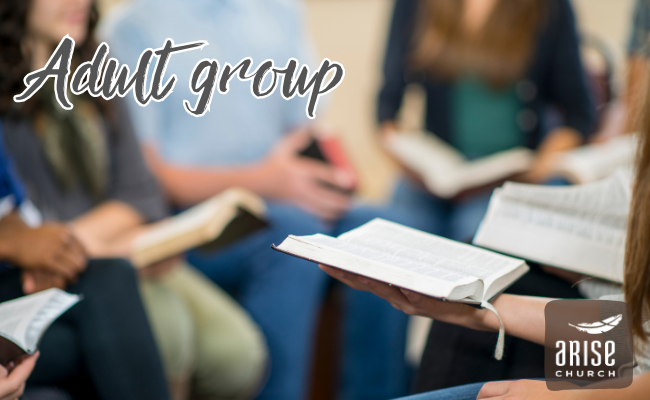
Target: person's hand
37 281
523 390
51 248
542 168
12 380
413 303
160 268
303 181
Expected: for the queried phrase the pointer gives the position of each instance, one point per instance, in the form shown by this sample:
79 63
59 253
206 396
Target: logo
579 353
603 326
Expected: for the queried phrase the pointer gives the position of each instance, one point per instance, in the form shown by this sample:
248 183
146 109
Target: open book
446 172
413 260
213 223
580 228
597 161
23 321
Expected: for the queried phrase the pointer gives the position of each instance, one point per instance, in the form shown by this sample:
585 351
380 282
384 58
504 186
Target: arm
568 89
108 229
283 175
395 62
522 316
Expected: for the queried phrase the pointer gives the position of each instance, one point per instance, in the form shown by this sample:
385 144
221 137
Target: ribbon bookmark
498 351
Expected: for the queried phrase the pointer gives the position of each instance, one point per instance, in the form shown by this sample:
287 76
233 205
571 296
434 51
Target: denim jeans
283 295
465 392
454 220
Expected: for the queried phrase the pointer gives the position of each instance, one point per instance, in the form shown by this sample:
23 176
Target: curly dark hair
15 62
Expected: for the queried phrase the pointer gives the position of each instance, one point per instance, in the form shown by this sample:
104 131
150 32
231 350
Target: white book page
25 319
583 229
431 250
610 196
596 161
446 172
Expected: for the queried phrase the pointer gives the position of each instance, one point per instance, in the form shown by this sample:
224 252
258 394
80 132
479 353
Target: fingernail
406 292
363 280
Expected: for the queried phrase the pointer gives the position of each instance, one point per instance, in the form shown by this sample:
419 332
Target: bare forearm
560 139
522 316
104 224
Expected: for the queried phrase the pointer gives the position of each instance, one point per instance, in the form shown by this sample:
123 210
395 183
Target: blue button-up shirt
238 128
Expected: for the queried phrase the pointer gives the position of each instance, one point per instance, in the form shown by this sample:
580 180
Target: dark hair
499 53
15 61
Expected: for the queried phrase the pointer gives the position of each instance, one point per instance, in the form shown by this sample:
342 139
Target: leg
467 392
466 217
280 292
118 348
104 343
423 210
374 332
231 350
173 330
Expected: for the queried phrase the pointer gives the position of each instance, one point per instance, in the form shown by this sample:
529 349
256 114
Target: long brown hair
637 247
15 62
499 54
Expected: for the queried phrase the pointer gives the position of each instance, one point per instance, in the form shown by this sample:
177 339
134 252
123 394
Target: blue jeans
465 392
283 295
453 220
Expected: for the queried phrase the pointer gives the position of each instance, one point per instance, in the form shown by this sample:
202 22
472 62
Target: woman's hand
524 390
12 381
51 248
416 304
37 281
160 268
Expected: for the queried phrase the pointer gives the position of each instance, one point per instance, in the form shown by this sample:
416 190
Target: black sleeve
396 58
131 181
568 83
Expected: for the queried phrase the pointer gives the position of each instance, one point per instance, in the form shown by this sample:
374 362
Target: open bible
211 224
596 161
413 260
580 228
23 321
446 172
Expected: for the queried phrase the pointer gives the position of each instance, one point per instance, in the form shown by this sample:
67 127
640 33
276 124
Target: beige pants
206 340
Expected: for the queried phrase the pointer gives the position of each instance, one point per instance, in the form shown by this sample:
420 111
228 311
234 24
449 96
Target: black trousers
102 347
457 356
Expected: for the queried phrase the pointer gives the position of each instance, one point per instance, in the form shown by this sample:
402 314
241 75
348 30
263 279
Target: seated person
487 89
254 143
523 316
83 166
103 347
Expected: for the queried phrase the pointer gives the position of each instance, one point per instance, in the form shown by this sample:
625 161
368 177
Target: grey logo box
588 342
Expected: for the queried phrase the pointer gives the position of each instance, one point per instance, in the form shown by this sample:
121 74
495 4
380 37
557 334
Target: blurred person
491 70
254 143
524 316
100 349
84 166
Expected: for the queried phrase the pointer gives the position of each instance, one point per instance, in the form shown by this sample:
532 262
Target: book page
581 228
25 319
596 161
610 196
454 257
446 172
431 266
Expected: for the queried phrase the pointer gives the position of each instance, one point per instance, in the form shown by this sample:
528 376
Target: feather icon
603 326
